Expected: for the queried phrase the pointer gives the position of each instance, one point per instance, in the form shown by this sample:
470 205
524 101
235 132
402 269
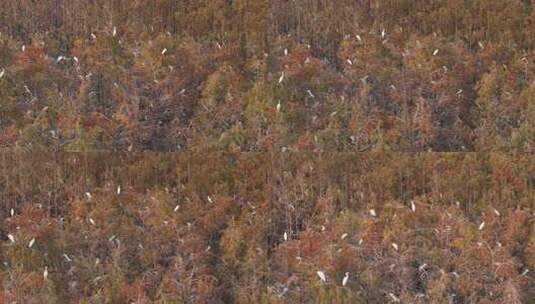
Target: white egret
310 94
345 279
12 212
23 48
321 274
279 106
413 206
89 196
92 221
343 236
372 212
395 246
11 238
210 199
176 208
93 36
435 52
393 297
75 59
164 51
2 72
45 273
285 52
349 61
497 212
285 236
525 272
281 78
114 31
383 33
119 189
481 226
361 241
422 267
30 244
359 38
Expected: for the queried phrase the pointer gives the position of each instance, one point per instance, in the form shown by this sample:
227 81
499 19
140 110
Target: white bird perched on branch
12 212
67 258
285 52
279 106
164 51
281 78
30 244
2 72
358 38
119 189
481 226
349 61
114 31
372 212
285 236
11 238
497 212
92 221
383 33
89 196
343 236
93 36
45 273
310 94
176 208
435 52
413 206
345 279
321 274
393 297
395 246
210 199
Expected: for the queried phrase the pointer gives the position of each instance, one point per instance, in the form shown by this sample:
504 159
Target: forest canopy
267 151
257 75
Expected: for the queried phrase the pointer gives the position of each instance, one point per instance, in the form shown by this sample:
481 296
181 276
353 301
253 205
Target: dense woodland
255 151
256 228
258 75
